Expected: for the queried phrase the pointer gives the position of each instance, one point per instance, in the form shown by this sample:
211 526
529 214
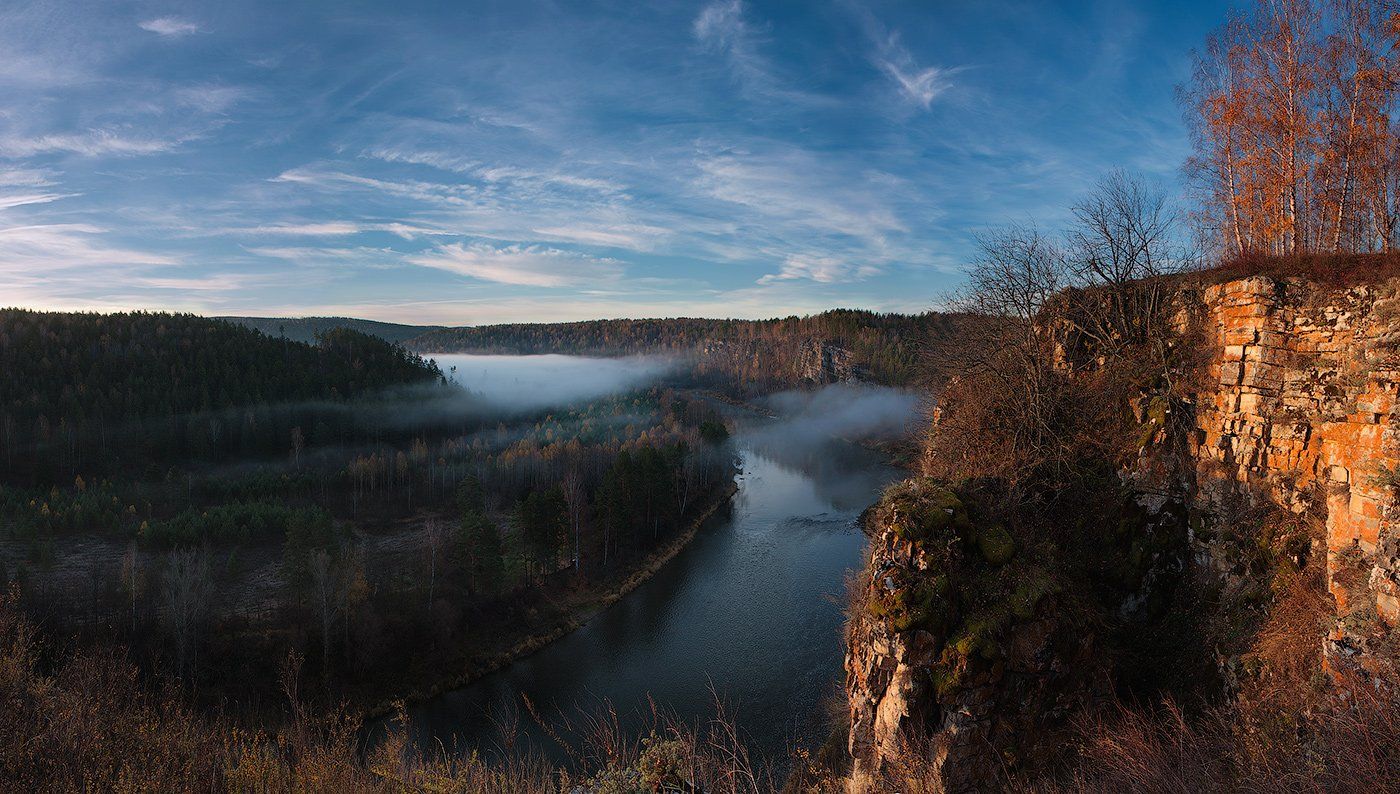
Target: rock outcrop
966 656
826 362
1299 407
1294 404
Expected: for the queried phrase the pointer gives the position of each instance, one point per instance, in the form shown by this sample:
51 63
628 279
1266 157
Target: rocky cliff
823 361
1299 409
1290 405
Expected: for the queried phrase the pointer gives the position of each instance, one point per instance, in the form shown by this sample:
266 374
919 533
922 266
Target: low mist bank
811 429
842 410
524 383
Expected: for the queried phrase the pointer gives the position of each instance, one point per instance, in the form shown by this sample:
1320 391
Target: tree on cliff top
1292 108
1011 407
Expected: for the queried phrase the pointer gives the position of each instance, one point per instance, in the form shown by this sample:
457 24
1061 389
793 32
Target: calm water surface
751 609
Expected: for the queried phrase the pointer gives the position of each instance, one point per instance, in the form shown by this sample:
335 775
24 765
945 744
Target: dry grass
1290 727
1334 270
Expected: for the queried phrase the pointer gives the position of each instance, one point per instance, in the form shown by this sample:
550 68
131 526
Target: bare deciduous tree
185 592
575 497
1006 363
433 538
324 590
1122 241
132 578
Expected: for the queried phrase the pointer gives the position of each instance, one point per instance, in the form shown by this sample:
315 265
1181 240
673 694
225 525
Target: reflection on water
751 609
826 462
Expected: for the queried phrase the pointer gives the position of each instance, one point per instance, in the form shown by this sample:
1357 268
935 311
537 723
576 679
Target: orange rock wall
1304 407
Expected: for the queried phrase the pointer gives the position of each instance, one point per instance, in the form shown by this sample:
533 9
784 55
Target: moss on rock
996 544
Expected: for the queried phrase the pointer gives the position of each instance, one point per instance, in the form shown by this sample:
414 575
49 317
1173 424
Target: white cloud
362 256
721 27
417 190
334 229
19 200
821 269
325 229
634 237
753 302
90 143
212 99
523 265
39 250
494 173
799 188
22 177
920 86
170 26
221 282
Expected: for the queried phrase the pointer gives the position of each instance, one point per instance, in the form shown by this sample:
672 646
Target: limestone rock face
1300 407
826 362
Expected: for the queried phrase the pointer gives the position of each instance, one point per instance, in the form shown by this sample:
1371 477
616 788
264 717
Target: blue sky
475 162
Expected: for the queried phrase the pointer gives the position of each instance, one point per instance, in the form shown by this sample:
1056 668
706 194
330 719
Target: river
750 611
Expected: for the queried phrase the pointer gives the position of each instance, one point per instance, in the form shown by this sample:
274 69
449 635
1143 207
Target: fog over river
534 382
750 611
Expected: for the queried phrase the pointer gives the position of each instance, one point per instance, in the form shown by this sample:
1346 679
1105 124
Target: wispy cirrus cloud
90 143
721 26
39 249
407 231
725 157
920 86
169 26
414 189
631 236
521 265
497 173
915 84
23 187
799 188
821 269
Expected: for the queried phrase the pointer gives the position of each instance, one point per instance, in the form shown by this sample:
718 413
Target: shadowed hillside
306 329
82 389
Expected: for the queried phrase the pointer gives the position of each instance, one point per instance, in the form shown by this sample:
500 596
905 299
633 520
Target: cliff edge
1272 444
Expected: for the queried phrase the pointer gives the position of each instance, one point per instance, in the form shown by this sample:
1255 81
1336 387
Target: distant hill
304 329
80 390
885 347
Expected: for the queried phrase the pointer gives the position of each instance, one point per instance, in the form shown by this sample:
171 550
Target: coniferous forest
239 496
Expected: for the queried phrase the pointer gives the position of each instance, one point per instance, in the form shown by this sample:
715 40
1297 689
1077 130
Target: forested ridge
86 392
306 329
71 366
886 345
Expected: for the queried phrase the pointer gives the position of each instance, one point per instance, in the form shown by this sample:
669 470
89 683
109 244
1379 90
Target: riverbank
575 608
